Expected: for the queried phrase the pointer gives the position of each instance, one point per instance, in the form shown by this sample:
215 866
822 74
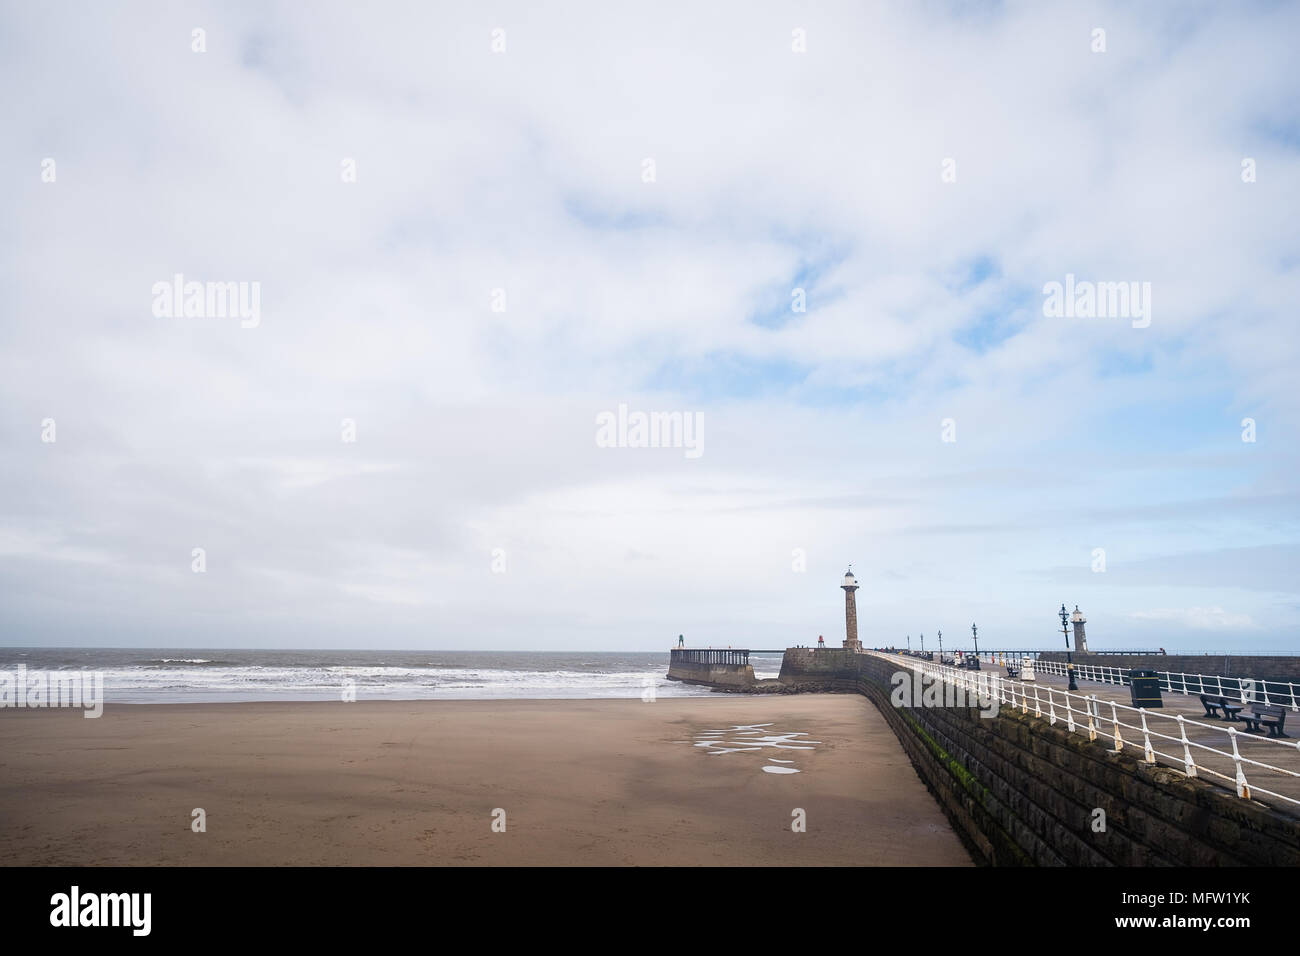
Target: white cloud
1199 618
522 171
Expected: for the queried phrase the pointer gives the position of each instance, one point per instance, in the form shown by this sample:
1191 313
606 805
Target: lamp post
909 643
1069 657
922 643
974 633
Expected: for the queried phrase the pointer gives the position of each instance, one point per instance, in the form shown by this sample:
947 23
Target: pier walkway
1217 751
1210 732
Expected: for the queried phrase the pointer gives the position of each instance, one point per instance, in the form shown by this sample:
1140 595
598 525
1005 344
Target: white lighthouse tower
1080 639
850 585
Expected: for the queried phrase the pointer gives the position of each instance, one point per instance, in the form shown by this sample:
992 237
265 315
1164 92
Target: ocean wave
173 675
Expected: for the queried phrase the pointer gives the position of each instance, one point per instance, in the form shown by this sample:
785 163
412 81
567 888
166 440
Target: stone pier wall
835 666
1023 792
719 675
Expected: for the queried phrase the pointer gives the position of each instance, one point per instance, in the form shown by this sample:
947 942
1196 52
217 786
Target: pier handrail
738 656
1249 690
1150 730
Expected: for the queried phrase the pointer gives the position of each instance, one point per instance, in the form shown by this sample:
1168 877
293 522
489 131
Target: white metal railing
1246 689
1124 726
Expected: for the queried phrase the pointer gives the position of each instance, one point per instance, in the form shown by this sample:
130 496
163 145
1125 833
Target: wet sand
607 782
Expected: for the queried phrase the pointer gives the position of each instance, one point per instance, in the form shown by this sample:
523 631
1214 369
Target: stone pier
721 667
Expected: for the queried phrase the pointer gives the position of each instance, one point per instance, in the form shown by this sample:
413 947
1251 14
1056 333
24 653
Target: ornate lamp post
909 643
1069 657
941 647
976 635
922 643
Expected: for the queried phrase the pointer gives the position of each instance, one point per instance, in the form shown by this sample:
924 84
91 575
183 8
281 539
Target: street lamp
909 643
941 647
974 633
922 643
1069 657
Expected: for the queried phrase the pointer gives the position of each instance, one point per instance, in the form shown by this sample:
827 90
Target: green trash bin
1144 688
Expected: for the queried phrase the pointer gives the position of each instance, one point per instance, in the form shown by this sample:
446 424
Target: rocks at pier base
773 686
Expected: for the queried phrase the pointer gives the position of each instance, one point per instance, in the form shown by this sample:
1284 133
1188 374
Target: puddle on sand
750 738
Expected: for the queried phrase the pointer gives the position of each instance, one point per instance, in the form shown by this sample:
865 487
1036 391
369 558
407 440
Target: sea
194 675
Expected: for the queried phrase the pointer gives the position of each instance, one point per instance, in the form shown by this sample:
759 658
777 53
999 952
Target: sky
479 230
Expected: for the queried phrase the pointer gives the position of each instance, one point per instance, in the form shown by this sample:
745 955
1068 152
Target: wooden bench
1213 703
1273 717
1013 671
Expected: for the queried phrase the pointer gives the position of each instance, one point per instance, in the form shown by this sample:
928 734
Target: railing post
1051 705
1150 755
1038 706
1188 763
1092 726
1114 720
1069 712
1243 789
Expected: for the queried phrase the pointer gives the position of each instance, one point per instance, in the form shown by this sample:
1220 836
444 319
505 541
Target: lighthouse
850 585
1080 639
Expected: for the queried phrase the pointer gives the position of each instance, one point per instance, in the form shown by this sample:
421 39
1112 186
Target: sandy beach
601 782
